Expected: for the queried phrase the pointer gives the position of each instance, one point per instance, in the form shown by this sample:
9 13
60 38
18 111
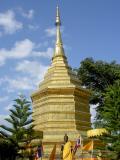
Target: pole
92 150
82 148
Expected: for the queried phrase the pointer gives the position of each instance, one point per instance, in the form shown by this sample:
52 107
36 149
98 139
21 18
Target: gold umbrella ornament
96 132
93 133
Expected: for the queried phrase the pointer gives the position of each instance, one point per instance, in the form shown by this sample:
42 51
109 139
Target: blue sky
90 28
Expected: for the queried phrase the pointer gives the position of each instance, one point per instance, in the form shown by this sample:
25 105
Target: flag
88 146
36 156
52 155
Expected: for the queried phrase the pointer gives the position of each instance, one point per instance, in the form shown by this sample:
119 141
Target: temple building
60 104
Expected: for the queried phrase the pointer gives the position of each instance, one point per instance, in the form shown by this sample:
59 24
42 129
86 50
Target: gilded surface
96 132
60 105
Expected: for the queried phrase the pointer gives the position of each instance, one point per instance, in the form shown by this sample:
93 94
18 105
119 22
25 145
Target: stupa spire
60 104
58 46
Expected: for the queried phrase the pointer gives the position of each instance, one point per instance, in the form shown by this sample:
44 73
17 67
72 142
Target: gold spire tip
58 21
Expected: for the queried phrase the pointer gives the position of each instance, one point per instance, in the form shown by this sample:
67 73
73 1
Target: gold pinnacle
59 46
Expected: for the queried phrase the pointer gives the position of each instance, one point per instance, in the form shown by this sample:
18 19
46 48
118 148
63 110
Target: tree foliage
8 150
97 76
103 79
111 119
20 128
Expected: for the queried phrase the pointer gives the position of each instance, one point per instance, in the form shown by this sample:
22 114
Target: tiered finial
59 47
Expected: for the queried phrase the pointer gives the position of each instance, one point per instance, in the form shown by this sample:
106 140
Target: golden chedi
60 104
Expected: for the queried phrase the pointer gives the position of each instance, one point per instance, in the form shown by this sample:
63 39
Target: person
65 138
62 145
39 152
78 143
67 151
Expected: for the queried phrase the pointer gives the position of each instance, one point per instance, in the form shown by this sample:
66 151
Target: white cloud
50 32
7 108
2 59
33 27
44 44
48 53
2 119
32 73
20 49
29 14
1 81
23 49
2 99
19 83
8 22
35 69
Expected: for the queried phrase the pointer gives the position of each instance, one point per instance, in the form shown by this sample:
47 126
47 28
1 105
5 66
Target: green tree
8 150
110 119
20 130
97 76
103 79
